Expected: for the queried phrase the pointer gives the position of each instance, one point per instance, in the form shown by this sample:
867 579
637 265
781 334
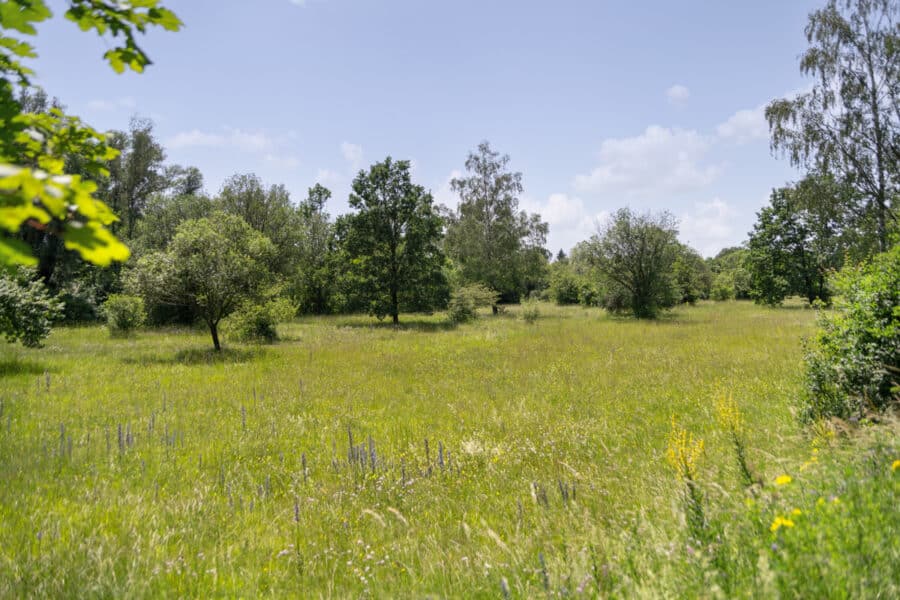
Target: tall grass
495 458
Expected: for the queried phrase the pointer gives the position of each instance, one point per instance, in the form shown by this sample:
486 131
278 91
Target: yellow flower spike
783 480
683 451
895 465
728 414
780 522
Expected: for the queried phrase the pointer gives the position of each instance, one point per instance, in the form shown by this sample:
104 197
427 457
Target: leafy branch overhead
35 188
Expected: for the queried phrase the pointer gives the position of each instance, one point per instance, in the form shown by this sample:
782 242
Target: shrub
258 322
723 287
465 302
853 364
26 310
564 286
530 312
124 314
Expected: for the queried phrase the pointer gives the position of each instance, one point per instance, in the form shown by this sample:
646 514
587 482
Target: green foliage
798 240
531 312
124 314
466 300
565 284
37 189
26 310
691 274
853 364
635 255
848 123
488 238
312 286
212 267
257 321
390 244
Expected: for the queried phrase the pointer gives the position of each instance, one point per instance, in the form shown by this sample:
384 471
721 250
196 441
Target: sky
653 105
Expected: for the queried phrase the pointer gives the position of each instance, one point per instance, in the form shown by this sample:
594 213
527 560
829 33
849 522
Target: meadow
352 458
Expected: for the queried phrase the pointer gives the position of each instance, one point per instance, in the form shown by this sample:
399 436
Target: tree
212 266
36 187
267 210
391 241
798 240
849 123
313 279
136 174
489 239
691 274
162 216
26 310
635 254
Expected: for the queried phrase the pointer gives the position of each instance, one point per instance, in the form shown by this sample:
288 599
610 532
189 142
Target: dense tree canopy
635 254
391 241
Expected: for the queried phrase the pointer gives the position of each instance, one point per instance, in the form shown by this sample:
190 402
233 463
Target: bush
465 302
530 312
258 322
26 310
723 287
124 314
564 286
853 364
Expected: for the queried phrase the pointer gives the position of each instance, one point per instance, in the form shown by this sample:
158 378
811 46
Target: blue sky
600 104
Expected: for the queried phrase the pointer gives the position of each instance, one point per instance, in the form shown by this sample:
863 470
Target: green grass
553 437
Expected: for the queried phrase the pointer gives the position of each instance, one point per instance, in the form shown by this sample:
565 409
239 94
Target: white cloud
710 227
745 126
443 194
659 162
247 141
353 153
569 219
328 178
282 161
125 102
678 94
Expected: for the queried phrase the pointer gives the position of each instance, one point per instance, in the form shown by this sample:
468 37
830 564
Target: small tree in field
635 255
212 266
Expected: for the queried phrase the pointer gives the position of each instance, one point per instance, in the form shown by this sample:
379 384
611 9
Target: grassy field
356 459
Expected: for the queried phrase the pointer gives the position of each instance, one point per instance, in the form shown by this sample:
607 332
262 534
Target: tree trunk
214 331
396 318
494 309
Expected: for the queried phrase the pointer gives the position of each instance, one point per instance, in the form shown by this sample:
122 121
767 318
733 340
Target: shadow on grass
411 325
12 366
200 356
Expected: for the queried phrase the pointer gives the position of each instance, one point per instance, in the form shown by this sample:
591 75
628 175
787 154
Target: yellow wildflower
780 522
728 414
895 465
820 501
683 451
783 480
796 512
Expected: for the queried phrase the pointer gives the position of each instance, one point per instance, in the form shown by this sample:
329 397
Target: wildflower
820 501
796 512
895 465
683 452
783 480
729 415
780 522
